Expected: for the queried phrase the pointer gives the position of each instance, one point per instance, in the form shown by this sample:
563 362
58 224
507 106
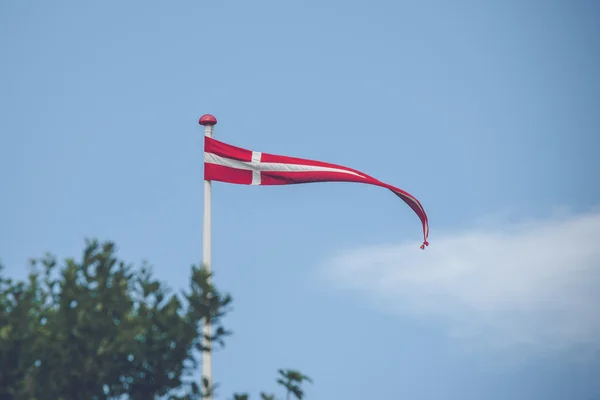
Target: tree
99 329
291 380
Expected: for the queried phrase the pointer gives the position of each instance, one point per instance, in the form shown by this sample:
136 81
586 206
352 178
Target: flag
227 163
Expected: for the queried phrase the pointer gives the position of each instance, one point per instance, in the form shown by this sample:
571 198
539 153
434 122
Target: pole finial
207 119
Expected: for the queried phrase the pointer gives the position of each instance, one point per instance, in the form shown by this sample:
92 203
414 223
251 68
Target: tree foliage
292 380
98 328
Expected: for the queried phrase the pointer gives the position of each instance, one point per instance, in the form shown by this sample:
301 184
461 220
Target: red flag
226 163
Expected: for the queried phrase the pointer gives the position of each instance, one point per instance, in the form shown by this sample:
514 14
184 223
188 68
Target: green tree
291 380
98 328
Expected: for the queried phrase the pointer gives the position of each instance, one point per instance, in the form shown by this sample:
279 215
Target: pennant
227 163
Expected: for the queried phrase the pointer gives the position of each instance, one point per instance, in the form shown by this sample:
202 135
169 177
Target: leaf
115 339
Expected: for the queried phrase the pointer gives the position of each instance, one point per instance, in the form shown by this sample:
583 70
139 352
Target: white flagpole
208 121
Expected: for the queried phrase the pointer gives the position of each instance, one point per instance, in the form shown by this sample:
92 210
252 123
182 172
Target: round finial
207 119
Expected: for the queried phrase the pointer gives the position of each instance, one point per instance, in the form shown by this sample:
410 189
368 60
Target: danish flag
227 163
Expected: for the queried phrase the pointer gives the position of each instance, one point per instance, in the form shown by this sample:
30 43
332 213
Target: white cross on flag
227 163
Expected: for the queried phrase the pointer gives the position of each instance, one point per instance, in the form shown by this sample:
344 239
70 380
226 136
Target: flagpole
208 121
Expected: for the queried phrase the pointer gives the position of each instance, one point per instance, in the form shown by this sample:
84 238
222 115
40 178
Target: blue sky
485 111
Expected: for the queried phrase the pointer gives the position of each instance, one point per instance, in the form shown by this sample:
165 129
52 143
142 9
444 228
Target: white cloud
535 285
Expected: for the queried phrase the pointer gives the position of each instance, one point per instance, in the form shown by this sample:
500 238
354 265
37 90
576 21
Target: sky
486 111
